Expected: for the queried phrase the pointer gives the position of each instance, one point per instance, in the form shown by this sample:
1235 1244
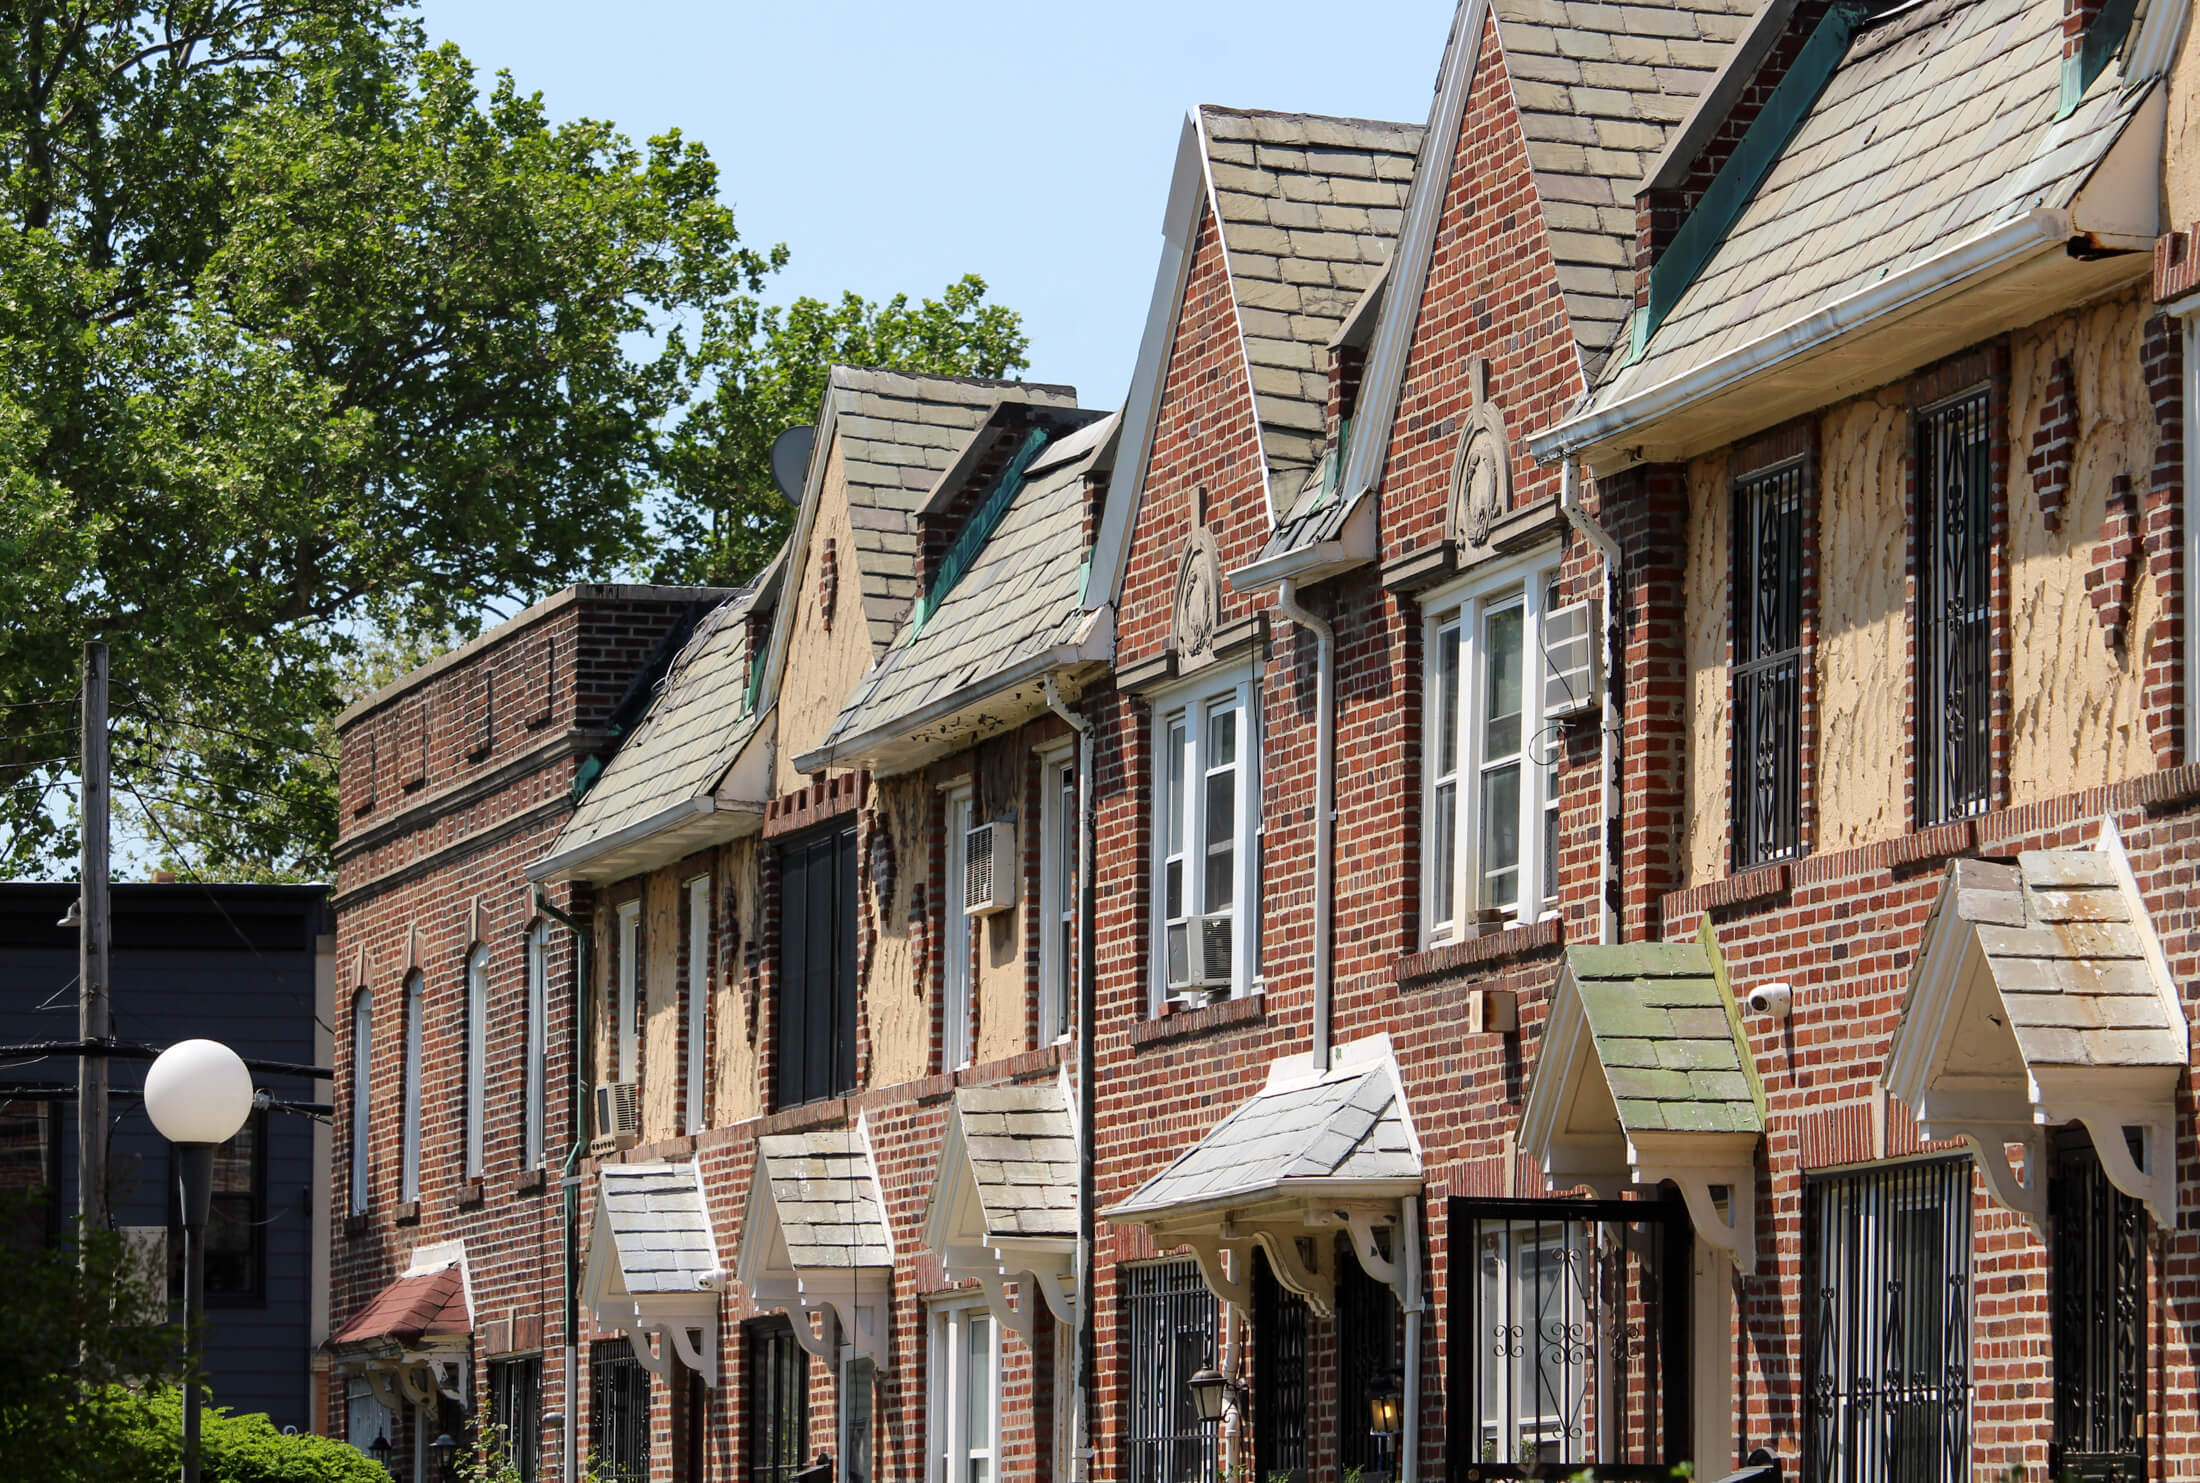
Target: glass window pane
1444 854
1500 836
1221 884
1447 700
1222 736
1172 800
977 1377
1501 683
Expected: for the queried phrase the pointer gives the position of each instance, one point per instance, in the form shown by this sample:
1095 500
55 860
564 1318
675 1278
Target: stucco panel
1703 840
738 1074
823 665
2075 718
1002 984
2181 158
661 1059
1862 679
897 1006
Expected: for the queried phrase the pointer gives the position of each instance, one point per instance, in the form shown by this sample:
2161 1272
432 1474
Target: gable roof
659 1229
897 431
1934 157
658 797
979 658
1596 89
1022 1151
424 1306
825 1194
1299 1136
1307 207
1664 1031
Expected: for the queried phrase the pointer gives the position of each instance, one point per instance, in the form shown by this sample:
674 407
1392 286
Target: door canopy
1644 1076
1005 1205
2041 997
653 1265
411 1342
1312 1151
815 1240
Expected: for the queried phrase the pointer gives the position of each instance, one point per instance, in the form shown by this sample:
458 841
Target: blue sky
895 146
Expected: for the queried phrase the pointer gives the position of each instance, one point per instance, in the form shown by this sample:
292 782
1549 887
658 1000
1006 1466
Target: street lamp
379 1450
445 1449
198 1094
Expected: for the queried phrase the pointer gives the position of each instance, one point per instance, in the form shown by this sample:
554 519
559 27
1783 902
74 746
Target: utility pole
93 936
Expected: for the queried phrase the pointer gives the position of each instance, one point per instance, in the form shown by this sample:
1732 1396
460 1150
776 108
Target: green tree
307 344
766 369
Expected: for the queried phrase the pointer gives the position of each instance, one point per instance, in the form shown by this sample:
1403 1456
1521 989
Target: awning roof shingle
827 1198
1666 1038
660 1227
426 1306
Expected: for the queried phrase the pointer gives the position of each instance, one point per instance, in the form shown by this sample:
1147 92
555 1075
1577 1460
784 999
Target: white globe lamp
198 1093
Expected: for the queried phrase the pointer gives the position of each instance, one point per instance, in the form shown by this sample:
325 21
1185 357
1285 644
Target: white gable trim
658 1325
853 1302
956 1230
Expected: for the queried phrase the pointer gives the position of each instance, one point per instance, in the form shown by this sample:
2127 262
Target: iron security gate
1887 1324
2096 1247
1768 665
1569 1326
618 1411
1169 1323
1954 608
1279 1377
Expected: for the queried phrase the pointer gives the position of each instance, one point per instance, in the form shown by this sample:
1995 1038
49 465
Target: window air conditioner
1199 954
989 869
619 1113
1572 659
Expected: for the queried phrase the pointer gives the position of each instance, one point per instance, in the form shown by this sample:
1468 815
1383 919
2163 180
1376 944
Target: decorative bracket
2156 1185
1989 1145
1735 1233
1308 1280
1207 1251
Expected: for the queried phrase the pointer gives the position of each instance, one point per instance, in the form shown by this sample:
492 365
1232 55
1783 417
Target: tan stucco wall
823 668
2075 718
2181 158
738 1092
661 1060
1003 991
1710 514
897 1010
1862 684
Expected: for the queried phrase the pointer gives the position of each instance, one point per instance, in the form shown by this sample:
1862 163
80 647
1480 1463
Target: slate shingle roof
691 734
1599 87
1023 1158
660 1227
1309 207
2066 945
1666 1037
1350 1124
827 1197
1939 123
1017 602
898 432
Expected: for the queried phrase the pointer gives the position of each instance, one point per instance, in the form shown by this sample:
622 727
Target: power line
165 719
202 779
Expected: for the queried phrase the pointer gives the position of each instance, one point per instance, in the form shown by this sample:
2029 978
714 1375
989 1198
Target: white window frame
477 1056
2189 310
536 1073
1058 844
415 1011
362 1096
1194 705
950 1448
1465 604
626 1040
697 1004
956 1049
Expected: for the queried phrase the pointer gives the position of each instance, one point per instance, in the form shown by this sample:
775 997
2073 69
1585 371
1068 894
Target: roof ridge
1295 116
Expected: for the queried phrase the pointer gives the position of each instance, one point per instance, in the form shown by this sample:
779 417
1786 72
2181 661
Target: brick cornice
1457 957
481 839
1210 1019
433 806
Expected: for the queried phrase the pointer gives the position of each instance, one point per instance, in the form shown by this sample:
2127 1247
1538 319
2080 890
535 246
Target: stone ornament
1198 599
1481 477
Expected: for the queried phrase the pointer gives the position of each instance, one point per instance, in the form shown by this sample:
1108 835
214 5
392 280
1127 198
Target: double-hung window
477 1055
1206 841
30 1176
625 1028
1955 608
236 1224
1059 823
955 970
1492 760
536 1072
966 1401
1886 1314
1768 664
515 1411
362 1089
408 1167
697 1003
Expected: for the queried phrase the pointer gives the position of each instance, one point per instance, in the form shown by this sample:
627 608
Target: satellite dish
791 461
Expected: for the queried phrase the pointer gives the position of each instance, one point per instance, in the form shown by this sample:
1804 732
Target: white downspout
1569 501
1325 788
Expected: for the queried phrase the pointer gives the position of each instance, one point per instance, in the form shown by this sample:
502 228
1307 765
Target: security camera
1773 999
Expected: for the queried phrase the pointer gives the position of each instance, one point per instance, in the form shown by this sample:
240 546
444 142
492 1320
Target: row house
1564 847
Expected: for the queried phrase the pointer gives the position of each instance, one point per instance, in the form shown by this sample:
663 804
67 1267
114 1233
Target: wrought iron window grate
1887 1324
1169 1323
1570 1327
1955 609
2098 1264
618 1411
1768 665
1279 1376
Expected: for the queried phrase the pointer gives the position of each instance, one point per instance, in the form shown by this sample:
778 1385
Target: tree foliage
308 342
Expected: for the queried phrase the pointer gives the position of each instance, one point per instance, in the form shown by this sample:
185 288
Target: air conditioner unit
1573 680
989 869
619 1113
1199 954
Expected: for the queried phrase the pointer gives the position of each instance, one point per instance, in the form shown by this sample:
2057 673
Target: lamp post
445 1448
198 1094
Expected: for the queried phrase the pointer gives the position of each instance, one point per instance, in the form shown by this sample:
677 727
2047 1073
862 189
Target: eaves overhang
666 836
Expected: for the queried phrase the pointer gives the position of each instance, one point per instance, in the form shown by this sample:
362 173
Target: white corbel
1319 1288
1734 1233
1056 1290
1207 1252
1017 1316
2026 1194
378 1383
2154 1186
1372 1260
655 1357
697 1348
825 1342
416 1379
860 1326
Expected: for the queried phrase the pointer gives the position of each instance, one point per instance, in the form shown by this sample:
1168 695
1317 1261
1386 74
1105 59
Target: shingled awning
1311 1149
653 1265
414 1333
815 1239
1005 1205
2041 996
1644 1076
